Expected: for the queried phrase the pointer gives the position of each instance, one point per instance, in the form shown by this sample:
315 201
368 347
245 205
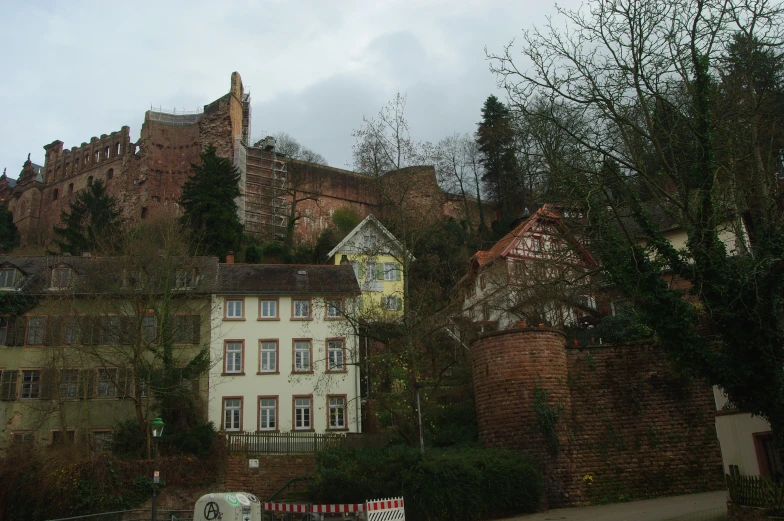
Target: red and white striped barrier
287 507
386 509
377 510
337 509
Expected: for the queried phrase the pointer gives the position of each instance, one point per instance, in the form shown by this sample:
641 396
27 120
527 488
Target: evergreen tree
208 201
9 234
495 137
94 222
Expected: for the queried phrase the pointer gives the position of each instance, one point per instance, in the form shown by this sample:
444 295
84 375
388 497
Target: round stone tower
523 400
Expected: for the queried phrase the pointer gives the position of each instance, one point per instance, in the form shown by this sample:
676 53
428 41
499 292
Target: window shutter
53 332
10 331
20 327
86 384
8 385
122 383
196 328
47 384
361 269
398 271
379 271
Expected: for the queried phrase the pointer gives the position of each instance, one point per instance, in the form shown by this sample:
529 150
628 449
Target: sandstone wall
272 474
628 426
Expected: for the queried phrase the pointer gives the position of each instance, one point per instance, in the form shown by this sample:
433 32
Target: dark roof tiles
291 279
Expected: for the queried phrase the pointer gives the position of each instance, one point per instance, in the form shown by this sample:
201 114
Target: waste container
227 506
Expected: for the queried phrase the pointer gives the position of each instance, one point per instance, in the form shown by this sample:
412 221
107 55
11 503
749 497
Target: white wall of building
285 384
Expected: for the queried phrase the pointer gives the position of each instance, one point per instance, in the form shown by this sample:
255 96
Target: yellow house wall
44 416
373 291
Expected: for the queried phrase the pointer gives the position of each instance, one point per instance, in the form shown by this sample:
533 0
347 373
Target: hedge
447 484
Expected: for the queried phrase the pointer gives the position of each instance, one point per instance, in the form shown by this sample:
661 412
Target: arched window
144 212
55 193
110 173
70 189
90 181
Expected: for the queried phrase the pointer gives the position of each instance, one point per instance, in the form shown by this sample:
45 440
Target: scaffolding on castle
174 117
265 193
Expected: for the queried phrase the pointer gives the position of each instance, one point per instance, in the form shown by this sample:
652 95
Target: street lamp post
157 431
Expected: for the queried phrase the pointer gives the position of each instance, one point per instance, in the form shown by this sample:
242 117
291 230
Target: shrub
442 485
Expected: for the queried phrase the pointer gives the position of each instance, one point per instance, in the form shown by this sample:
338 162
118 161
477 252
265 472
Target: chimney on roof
229 257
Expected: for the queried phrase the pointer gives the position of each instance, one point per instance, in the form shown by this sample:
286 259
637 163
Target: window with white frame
61 278
110 330
185 279
334 308
337 412
7 278
301 308
335 355
268 411
393 303
232 414
302 356
370 269
391 271
31 384
102 441
72 333
268 356
107 383
302 414
148 328
233 358
24 438
69 384
268 309
35 330
234 309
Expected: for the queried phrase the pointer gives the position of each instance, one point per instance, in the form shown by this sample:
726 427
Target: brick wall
272 474
639 429
628 426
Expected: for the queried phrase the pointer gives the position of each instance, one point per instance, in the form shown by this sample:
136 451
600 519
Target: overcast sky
70 70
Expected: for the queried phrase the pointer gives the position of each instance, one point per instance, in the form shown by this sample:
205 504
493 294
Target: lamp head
157 428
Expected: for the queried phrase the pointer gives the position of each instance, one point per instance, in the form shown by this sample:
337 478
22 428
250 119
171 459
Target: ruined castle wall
336 189
628 426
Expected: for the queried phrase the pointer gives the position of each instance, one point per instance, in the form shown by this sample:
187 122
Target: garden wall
607 423
273 472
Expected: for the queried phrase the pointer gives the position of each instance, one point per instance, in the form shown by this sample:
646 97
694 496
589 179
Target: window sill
335 318
268 430
233 319
337 429
302 372
337 371
260 373
305 430
301 319
268 319
233 374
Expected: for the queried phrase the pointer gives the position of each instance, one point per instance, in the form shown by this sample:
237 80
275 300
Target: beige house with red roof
534 273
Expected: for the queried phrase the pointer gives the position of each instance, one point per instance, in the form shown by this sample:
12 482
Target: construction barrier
376 510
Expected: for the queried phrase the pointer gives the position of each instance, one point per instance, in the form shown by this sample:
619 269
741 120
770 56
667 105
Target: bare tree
459 168
667 138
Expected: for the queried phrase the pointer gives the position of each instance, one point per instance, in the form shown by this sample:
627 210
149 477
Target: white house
286 356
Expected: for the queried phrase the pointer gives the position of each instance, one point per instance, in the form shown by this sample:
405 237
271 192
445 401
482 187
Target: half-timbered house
536 273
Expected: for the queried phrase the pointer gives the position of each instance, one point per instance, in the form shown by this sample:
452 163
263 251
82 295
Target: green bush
442 485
